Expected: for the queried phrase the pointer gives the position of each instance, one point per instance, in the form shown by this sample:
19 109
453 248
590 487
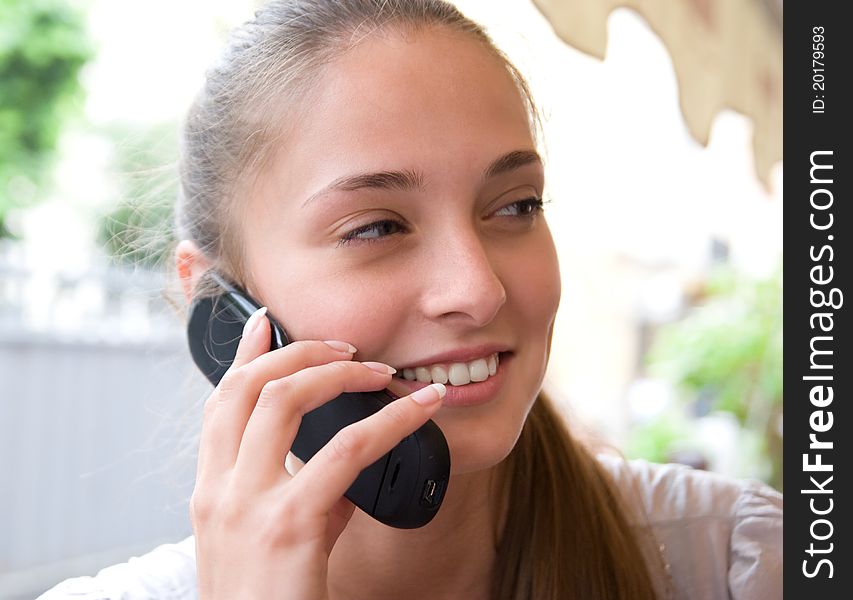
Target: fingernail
252 323
340 346
380 367
430 394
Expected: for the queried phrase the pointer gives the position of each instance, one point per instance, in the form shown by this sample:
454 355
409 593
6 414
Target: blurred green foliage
138 230
729 346
43 45
655 441
725 355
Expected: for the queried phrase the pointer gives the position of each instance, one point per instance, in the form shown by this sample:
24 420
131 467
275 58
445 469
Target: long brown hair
565 533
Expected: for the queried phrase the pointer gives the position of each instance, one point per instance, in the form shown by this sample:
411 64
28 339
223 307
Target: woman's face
399 215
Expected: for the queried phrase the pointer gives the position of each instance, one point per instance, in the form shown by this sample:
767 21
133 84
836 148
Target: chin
479 443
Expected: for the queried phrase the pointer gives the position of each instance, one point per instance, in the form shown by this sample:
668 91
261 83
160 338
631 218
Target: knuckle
301 346
345 445
395 414
340 368
233 514
234 379
274 393
201 508
283 525
289 510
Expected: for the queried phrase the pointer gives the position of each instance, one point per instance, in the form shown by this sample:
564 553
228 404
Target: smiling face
401 215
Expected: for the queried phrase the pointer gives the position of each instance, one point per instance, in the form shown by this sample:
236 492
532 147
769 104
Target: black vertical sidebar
818 437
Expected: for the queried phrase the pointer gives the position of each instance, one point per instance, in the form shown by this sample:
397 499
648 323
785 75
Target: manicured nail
340 346
252 323
380 367
430 394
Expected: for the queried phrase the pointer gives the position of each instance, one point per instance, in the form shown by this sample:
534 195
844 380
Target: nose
462 283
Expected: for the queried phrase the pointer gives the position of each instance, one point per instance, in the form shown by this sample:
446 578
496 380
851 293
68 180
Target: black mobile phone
402 489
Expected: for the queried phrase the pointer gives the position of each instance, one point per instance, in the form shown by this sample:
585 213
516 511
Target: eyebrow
409 179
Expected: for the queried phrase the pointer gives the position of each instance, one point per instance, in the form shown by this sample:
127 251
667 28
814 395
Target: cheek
337 305
533 283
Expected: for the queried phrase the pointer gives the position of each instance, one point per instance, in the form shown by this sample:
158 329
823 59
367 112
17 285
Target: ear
191 265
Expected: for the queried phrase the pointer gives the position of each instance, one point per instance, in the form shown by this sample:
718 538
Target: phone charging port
432 492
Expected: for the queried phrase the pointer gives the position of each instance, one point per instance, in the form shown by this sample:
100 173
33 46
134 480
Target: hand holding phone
404 488
255 524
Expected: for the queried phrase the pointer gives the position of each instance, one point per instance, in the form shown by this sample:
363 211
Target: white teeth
459 374
479 370
455 373
439 375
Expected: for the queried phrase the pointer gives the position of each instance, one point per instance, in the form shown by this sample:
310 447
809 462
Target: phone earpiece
215 326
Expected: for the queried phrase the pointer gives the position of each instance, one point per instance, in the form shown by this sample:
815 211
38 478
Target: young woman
367 169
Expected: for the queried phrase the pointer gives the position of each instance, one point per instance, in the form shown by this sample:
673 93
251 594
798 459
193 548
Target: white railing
99 303
99 406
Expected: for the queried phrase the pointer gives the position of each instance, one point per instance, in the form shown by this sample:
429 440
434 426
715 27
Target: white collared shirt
719 538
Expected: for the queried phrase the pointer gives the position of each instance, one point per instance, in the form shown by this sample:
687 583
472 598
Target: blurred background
663 148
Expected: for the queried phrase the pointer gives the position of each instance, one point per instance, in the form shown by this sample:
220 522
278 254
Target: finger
277 414
332 470
240 387
254 341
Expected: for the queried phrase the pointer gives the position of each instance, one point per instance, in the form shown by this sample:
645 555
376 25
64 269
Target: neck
451 557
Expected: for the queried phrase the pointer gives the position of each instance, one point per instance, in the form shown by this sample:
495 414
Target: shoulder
166 573
720 537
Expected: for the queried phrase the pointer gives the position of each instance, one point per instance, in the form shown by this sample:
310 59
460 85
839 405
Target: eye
372 232
524 209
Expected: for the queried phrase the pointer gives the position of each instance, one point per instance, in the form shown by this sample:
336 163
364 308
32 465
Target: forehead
434 75
426 100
